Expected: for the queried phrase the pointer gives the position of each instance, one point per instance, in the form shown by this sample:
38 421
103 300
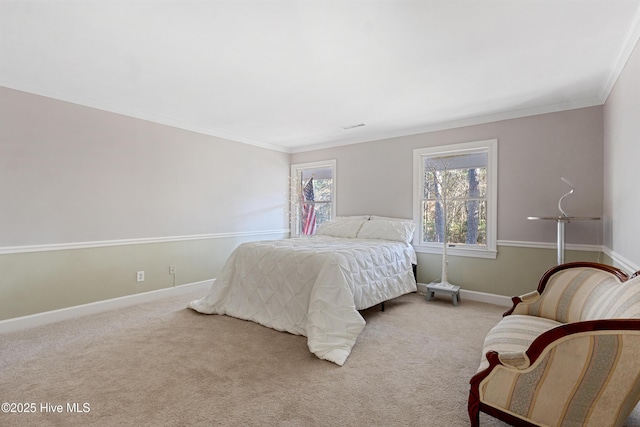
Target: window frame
489 146
294 195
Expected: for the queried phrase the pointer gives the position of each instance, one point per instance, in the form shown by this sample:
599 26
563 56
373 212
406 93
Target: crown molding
630 42
136 114
479 120
117 109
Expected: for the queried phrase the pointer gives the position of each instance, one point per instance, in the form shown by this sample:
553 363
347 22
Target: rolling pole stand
452 291
561 223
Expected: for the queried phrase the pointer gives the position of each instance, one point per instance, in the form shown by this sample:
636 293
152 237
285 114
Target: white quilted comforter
312 287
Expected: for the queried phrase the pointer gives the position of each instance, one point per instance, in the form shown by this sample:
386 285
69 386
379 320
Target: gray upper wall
533 154
72 174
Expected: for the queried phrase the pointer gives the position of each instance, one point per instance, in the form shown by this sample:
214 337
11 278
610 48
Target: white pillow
353 218
395 230
390 218
340 228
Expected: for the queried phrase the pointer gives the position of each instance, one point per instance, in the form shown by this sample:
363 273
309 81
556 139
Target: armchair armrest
515 359
520 304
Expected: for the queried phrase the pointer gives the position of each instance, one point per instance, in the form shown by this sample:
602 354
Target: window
312 196
455 198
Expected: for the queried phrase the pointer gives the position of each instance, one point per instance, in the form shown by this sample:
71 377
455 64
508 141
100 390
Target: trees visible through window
455 196
460 183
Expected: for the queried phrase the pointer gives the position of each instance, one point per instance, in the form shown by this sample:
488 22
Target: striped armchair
567 354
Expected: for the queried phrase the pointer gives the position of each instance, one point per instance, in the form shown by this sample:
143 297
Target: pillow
340 228
353 218
386 229
390 218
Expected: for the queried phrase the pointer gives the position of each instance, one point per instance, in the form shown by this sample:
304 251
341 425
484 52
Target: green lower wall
36 282
515 271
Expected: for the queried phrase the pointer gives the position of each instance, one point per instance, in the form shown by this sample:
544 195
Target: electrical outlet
172 269
140 276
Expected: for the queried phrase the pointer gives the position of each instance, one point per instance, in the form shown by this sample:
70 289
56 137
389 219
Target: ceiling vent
353 126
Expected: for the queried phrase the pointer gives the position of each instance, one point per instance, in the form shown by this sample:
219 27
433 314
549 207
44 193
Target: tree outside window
464 189
455 197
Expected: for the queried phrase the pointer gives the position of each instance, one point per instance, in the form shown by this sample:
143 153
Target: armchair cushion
514 334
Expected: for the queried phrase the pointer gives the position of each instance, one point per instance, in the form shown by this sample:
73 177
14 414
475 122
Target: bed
315 286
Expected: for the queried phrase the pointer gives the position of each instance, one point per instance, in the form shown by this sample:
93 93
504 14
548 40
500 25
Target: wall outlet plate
140 276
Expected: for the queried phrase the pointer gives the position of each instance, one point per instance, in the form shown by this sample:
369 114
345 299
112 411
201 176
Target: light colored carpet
161 364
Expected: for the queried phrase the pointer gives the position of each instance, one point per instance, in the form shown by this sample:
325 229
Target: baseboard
621 262
486 298
475 296
39 319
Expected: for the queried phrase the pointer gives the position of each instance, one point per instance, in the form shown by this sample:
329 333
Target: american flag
308 209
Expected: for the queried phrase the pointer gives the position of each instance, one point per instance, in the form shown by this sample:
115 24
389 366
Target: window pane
322 189
467 222
456 161
432 220
314 198
323 213
431 185
457 176
460 183
465 192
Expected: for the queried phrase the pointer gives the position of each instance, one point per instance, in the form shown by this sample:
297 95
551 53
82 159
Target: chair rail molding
140 241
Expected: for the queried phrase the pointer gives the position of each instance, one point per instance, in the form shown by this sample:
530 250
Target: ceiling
299 75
